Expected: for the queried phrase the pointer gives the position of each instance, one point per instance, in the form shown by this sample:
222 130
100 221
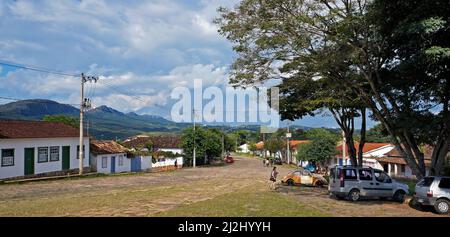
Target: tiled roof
13 129
106 147
368 146
292 144
158 141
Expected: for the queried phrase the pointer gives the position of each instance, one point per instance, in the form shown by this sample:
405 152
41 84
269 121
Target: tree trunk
362 141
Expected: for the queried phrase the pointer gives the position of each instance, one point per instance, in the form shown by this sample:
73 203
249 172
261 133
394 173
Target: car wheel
290 182
354 195
399 196
318 184
441 206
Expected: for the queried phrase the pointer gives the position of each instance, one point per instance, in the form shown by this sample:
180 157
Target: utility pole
85 104
288 135
193 156
344 147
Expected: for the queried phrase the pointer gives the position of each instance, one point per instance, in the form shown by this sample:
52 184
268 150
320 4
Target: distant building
160 144
109 157
30 148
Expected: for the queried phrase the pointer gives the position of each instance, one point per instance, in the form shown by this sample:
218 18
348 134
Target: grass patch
242 204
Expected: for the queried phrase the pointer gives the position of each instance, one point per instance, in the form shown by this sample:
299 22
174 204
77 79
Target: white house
36 147
109 157
160 144
244 148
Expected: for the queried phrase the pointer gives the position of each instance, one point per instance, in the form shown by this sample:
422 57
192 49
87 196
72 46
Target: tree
72 121
377 134
321 148
252 147
274 144
206 141
267 33
393 55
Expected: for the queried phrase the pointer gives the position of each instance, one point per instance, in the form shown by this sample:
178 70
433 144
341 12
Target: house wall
173 150
146 162
169 162
19 146
379 152
126 167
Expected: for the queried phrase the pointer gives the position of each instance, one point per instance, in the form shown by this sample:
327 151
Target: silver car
354 182
434 191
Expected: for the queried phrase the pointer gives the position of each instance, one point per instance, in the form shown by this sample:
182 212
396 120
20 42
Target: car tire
441 206
399 196
318 184
354 195
290 182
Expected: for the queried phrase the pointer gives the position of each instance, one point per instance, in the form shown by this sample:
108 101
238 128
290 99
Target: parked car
354 182
229 159
305 177
277 161
434 191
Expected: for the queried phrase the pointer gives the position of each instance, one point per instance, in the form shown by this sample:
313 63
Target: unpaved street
173 193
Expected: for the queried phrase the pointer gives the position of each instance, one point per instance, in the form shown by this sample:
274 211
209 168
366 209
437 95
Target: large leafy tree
392 54
321 148
207 143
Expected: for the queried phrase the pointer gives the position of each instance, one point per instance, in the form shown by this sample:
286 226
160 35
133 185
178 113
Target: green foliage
377 134
274 144
321 148
206 141
69 120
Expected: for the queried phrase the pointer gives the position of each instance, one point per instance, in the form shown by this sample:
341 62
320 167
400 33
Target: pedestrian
176 164
273 178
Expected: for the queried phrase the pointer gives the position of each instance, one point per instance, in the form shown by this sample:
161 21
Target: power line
38 69
122 92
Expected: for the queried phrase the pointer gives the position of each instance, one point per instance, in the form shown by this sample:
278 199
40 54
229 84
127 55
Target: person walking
176 164
273 178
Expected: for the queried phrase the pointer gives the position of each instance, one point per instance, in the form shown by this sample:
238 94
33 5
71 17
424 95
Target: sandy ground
148 194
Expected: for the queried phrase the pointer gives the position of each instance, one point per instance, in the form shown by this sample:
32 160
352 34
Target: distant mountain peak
107 109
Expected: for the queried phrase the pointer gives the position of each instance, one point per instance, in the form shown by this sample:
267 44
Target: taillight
430 193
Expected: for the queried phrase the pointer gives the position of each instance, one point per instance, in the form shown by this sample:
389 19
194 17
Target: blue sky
145 48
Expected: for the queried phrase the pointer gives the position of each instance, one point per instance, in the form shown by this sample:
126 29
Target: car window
306 172
382 177
365 174
350 174
426 182
297 173
445 183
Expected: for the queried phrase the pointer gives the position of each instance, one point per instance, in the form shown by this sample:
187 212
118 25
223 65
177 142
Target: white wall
169 162
244 148
126 167
146 162
19 157
379 152
173 150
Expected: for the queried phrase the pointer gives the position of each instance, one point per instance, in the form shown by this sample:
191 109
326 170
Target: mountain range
102 122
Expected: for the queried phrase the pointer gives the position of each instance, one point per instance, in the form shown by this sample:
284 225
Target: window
78 152
42 154
426 182
104 162
297 173
382 177
445 183
350 174
365 174
54 153
121 160
7 157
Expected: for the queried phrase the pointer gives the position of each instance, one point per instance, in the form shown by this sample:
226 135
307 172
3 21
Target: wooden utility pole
288 135
85 104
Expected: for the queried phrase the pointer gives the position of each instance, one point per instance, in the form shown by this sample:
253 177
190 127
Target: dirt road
149 194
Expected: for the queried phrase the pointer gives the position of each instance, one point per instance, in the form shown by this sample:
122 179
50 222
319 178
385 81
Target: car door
383 184
306 177
366 182
297 177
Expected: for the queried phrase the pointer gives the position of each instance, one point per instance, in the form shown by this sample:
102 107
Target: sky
142 49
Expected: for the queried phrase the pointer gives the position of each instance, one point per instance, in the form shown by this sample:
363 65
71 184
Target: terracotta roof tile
159 141
13 129
106 147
